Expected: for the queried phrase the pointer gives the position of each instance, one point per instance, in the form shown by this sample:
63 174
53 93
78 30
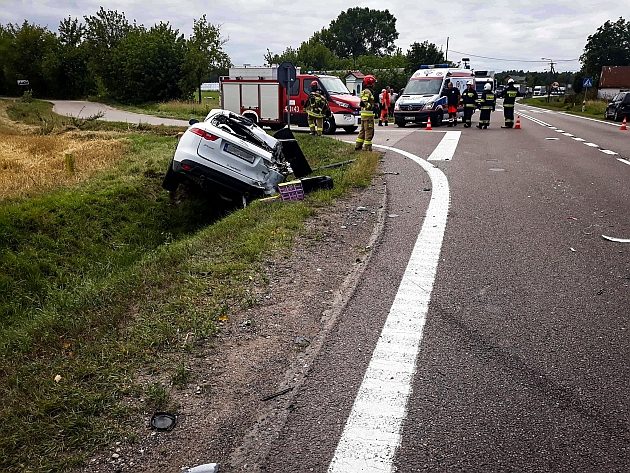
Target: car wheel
350 129
329 126
171 181
438 119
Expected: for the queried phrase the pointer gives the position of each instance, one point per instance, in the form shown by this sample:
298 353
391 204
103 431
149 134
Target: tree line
108 56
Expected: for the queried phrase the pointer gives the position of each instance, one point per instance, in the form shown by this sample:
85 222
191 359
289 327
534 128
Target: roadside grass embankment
592 108
107 289
181 109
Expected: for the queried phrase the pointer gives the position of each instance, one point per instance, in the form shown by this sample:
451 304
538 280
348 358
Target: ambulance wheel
329 126
350 129
438 120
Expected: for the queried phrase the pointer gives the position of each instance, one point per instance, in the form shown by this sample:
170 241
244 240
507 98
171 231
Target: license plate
410 119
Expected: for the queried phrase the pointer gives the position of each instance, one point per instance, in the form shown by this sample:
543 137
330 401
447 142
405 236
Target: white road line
592 145
607 151
445 150
579 139
587 118
568 134
559 130
372 434
624 161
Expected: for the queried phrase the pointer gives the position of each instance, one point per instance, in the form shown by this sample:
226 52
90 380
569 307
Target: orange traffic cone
623 126
429 125
517 126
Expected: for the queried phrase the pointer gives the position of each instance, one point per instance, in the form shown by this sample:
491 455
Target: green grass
108 280
182 109
592 108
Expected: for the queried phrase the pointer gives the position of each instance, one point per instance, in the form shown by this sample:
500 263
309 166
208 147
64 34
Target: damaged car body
230 156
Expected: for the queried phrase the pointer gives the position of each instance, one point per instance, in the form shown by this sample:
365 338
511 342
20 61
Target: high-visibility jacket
509 96
367 104
469 98
385 100
316 104
487 100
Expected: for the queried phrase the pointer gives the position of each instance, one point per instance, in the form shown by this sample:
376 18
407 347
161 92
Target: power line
511 60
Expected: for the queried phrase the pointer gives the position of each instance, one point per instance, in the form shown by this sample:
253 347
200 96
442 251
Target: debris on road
163 421
278 394
205 468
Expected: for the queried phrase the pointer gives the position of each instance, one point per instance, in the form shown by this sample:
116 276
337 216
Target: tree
204 55
359 31
608 46
423 53
149 64
104 32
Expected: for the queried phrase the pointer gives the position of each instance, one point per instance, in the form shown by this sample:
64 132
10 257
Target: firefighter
385 103
509 97
316 107
469 99
486 105
452 101
367 115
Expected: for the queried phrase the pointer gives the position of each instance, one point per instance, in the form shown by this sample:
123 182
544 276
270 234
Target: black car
619 107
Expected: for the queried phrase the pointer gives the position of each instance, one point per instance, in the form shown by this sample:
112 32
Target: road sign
286 73
587 82
23 82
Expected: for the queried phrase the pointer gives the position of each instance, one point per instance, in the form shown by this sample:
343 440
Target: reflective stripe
360 140
508 105
368 142
367 114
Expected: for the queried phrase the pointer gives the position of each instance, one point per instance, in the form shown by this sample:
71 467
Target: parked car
619 107
231 157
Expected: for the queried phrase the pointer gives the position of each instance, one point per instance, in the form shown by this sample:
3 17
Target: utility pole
552 71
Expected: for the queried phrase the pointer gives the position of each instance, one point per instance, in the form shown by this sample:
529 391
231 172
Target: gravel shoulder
261 353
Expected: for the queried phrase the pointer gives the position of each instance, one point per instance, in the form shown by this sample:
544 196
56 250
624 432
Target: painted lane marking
446 148
568 134
607 151
579 139
592 145
559 130
372 431
624 161
587 118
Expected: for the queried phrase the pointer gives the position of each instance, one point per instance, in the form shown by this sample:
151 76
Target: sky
494 35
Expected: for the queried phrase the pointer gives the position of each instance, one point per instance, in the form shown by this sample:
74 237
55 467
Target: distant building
354 81
210 86
613 80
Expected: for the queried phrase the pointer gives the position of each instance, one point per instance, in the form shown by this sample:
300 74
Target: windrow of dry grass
34 163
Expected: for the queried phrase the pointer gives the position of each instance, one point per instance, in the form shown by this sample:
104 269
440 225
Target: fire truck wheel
350 129
329 126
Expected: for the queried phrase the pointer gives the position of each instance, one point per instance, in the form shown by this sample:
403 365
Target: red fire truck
255 93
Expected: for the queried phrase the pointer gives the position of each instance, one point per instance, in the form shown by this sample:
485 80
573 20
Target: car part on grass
163 421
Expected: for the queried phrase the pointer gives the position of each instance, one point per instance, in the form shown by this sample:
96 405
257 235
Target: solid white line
590 119
372 434
624 161
445 150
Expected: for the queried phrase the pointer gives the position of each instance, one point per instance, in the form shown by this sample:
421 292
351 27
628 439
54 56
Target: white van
422 98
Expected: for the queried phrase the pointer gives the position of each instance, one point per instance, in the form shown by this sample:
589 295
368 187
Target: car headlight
397 106
342 104
428 106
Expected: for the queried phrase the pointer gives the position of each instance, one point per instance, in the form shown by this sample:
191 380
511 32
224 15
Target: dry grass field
31 162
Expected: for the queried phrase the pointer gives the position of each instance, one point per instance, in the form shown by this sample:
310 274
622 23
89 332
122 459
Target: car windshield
424 86
334 85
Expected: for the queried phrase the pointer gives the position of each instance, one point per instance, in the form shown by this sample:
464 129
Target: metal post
288 101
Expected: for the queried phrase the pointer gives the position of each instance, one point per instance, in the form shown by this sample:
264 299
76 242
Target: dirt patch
243 381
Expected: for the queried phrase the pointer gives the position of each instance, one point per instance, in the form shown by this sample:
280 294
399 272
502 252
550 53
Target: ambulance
422 96
255 93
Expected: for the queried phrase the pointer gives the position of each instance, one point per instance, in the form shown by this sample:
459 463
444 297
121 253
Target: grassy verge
592 108
182 109
109 283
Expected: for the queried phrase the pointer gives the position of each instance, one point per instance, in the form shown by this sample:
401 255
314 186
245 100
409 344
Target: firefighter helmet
510 81
488 86
314 85
469 82
369 80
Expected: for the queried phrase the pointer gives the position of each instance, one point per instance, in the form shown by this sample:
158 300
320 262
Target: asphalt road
523 361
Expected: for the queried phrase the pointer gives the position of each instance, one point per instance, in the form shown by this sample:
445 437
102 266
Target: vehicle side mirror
192 121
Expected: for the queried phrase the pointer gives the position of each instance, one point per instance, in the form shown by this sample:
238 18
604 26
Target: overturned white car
230 156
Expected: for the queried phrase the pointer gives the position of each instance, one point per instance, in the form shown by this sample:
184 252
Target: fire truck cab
255 93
